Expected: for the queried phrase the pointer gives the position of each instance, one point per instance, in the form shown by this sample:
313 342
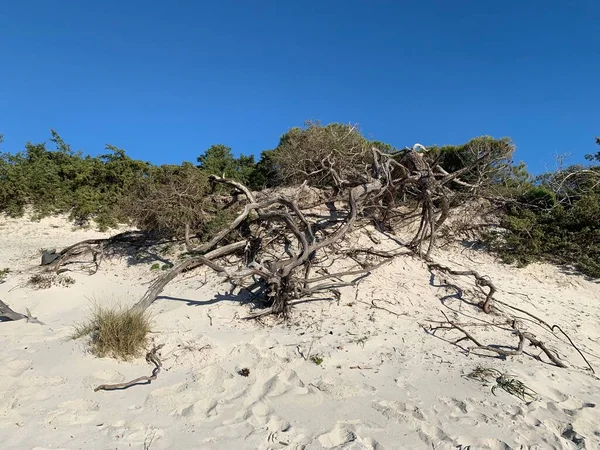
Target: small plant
244 372
155 266
166 266
115 332
46 281
65 280
503 381
40 281
3 273
317 359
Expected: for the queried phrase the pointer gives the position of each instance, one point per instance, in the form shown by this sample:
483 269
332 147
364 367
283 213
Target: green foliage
266 173
6 271
218 160
554 217
558 220
457 157
317 359
63 181
538 196
595 157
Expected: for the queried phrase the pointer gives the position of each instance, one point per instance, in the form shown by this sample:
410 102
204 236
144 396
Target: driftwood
7 313
151 357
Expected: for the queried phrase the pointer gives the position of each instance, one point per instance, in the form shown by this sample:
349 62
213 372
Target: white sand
383 384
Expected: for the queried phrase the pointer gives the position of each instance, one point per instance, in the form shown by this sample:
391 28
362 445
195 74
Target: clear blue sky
166 79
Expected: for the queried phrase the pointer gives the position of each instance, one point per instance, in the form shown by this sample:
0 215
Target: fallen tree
279 242
282 246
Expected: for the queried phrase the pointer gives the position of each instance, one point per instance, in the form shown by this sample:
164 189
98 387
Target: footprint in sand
344 436
340 435
205 408
399 411
14 368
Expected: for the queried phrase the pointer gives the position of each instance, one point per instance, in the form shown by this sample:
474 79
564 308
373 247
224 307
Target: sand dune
382 381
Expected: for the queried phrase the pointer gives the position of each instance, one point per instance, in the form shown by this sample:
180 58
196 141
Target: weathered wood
7 313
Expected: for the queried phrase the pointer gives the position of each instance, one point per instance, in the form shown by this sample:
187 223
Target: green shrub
538 196
557 221
63 181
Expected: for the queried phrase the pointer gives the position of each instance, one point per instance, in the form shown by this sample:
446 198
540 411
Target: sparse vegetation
317 359
115 332
502 381
3 274
46 281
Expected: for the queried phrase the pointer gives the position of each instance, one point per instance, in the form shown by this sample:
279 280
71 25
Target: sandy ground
383 381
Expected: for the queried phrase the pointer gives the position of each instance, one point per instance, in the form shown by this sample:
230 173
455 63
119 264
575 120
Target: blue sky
165 80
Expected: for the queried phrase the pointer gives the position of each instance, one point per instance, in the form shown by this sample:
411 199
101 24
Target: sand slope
383 383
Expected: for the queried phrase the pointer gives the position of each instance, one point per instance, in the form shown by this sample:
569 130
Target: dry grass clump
46 281
116 332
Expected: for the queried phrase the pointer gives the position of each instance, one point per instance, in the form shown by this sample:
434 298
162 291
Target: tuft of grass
155 266
115 332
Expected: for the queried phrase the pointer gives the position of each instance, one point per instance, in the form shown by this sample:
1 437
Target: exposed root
522 336
487 304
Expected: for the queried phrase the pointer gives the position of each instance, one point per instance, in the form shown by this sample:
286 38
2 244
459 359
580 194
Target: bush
116 332
538 196
557 221
63 181
218 160
168 200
